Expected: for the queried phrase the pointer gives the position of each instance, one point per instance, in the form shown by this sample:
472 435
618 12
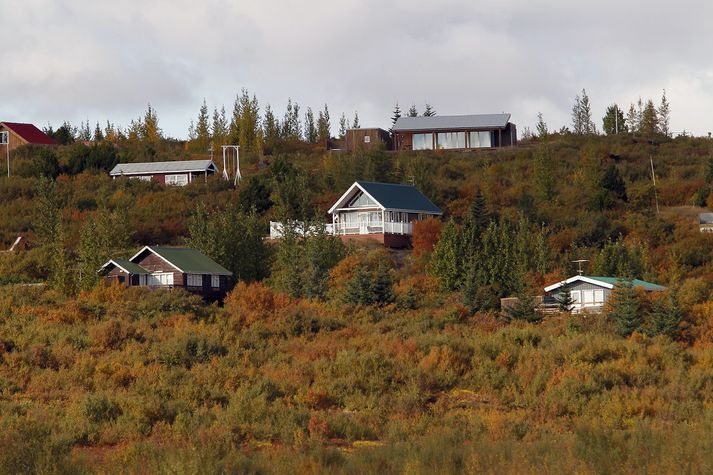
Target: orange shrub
425 235
249 303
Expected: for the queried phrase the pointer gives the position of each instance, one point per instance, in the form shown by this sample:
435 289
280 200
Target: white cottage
589 294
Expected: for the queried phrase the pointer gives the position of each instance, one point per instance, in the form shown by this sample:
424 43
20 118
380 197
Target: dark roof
450 122
128 266
404 197
188 261
29 133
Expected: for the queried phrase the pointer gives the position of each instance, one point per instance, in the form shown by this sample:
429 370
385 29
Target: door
363 223
576 299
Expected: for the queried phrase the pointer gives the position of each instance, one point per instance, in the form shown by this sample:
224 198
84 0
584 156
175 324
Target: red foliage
425 235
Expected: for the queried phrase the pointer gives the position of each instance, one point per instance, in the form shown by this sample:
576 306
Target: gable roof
390 196
29 133
127 266
449 122
607 282
186 260
178 166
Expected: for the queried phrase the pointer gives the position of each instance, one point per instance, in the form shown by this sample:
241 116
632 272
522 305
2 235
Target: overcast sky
97 60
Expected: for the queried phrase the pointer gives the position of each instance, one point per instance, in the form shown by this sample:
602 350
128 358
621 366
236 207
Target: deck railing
343 229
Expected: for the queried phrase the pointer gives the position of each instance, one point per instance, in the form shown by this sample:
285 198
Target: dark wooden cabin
161 267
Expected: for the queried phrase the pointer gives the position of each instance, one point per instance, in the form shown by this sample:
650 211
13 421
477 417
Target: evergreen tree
250 139
541 128
150 130
614 121
355 122
525 309
291 127
396 115
612 181
220 127
582 123
625 309
577 126
342 126
632 120
446 257
271 126
664 116
544 173
234 126
324 127
564 299
665 317
475 223
310 127
412 112
649 120
639 114
202 129
98 134
429 111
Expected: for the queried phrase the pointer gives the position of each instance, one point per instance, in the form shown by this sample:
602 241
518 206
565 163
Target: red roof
29 133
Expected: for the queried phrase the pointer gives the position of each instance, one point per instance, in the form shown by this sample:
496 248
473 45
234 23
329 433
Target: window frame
173 179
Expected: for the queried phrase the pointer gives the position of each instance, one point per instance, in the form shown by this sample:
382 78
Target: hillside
328 358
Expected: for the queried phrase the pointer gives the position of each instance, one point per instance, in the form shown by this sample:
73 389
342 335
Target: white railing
343 229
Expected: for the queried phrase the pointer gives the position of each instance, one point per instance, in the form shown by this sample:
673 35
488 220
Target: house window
141 177
451 140
361 201
4 137
423 141
215 281
177 180
367 139
480 139
194 280
160 279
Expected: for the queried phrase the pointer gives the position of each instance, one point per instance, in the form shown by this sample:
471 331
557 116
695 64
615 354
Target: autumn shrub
425 235
253 302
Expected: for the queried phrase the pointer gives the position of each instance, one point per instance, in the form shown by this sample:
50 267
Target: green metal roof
635 282
403 197
130 266
190 261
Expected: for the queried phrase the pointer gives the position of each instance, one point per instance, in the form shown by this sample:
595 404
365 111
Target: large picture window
480 139
177 180
160 279
423 141
451 140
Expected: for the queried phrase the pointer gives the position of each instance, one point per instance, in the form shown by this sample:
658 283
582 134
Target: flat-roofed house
454 132
162 267
589 293
178 173
15 134
384 212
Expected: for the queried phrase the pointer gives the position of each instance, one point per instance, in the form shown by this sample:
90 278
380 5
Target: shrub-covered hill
329 358
130 381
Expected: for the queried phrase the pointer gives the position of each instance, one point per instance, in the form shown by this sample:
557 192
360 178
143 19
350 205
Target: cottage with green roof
381 211
589 294
162 267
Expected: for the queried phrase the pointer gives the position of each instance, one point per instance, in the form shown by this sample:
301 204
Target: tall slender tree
395 115
355 122
542 131
412 112
202 129
219 127
310 127
664 113
649 120
342 126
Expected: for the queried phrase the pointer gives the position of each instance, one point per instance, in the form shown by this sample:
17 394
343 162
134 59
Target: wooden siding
15 142
355 139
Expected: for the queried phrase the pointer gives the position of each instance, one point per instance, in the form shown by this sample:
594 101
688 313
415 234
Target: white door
363 223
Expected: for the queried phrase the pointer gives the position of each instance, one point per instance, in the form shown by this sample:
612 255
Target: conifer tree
664 116
625 309
446 257
271 130
150 130
564 298
429 111
665 317
525 308
412 112
98 134
649 120
614 121
220 127
235 118
544 173
324 127
202 129
355 122
342 126
632 119
542 132
249 123
310 127
475 223
396 115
